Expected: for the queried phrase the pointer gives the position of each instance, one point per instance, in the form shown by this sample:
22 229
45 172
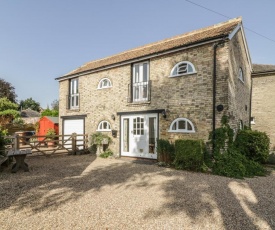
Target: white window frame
74 94
240 76
176 69
101 86
140 85
100 126
177 130
252 120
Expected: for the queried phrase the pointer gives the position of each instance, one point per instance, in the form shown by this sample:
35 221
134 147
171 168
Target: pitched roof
205 34
259 68
29 113
54 120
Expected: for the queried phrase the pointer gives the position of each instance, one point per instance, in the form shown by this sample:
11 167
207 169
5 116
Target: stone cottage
263 100
175 88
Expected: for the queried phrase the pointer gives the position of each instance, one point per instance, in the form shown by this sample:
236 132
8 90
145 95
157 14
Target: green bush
107 153
233 164
253 144
2 141
221 138
189 155
166 151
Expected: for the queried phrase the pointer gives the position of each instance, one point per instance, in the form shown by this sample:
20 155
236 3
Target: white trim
101 124
181 130
233 33
183 62
104 87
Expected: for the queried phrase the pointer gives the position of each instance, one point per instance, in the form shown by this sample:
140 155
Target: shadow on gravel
238 204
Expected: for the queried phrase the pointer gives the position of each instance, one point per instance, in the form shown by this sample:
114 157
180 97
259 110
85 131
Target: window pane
174 127
181 124
190 69
145 72
76 101
189 127
182 68
136 72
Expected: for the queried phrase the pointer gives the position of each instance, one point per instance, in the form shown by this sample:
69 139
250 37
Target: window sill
180 75
73 110
178 131
136 103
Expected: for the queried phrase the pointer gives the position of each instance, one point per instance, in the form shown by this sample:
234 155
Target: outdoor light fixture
113 117
163 114
220 108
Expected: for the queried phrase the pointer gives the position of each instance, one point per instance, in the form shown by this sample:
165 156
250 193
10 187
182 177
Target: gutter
215 47
139 59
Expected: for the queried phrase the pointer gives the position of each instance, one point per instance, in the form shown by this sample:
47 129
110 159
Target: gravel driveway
85 192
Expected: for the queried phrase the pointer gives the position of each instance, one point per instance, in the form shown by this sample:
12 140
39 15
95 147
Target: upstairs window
140 82
104 126
182 125
104 83
182 68
74 94
241 77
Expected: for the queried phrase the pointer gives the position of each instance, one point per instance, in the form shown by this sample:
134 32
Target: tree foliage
8 111
55 105
6 104
7 90
30 104
49 112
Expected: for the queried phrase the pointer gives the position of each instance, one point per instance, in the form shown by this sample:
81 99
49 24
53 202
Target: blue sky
42 40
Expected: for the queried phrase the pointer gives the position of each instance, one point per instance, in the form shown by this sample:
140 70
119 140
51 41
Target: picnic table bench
19 156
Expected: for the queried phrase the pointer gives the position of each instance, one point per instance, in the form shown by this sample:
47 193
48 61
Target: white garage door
74 126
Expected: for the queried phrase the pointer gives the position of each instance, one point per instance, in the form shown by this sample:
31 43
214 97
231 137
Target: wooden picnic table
19 156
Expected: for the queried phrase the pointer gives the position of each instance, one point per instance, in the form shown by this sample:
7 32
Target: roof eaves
141 58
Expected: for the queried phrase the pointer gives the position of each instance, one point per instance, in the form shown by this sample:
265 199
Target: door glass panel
152 134
138 126
125 135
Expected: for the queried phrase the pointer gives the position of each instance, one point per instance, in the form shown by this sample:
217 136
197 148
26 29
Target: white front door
139 134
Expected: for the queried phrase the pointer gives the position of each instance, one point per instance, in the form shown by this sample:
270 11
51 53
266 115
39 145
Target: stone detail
263 105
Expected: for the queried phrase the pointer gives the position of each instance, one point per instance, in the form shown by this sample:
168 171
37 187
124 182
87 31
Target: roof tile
211 32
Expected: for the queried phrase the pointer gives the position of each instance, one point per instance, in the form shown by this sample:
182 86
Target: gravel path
85 192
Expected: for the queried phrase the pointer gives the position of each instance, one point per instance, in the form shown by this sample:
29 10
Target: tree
8 111
55 105
7 90
51 113
6 104
30 104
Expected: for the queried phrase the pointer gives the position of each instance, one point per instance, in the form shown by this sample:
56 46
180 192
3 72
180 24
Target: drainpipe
250 109
214 91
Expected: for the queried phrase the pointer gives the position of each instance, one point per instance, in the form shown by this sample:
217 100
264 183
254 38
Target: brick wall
238 91
188 96
263 105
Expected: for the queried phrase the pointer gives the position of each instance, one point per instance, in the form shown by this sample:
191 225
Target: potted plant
100 141
50 137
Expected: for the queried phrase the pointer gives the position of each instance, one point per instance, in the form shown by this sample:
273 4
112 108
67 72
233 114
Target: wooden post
74 143
16 142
